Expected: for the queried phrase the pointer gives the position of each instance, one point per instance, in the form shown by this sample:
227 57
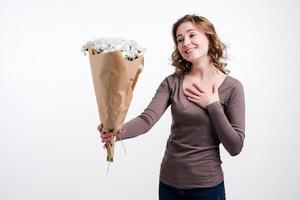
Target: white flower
129 48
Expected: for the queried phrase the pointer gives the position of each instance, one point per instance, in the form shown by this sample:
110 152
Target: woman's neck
203 69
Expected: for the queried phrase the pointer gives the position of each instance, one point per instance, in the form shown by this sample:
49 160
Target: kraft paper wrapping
114 79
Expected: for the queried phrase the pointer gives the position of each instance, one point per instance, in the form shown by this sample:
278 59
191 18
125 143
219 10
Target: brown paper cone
114 79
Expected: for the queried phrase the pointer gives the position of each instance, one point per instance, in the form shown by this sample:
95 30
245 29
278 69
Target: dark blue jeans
167 192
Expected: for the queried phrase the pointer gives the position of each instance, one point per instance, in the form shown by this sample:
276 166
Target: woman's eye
179 40
192 35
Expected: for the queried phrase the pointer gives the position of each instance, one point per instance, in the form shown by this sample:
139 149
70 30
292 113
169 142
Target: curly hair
216 49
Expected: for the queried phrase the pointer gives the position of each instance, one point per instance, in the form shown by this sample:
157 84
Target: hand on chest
200 92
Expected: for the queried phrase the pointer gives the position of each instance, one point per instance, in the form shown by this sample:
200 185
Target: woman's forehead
186 27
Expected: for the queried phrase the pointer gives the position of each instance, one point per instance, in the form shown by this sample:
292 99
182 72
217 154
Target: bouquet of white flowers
129 48
115 64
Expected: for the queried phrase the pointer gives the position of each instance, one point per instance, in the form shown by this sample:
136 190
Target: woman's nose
186 42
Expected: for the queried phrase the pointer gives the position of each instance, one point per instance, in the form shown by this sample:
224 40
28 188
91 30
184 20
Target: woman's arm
151 114
230 127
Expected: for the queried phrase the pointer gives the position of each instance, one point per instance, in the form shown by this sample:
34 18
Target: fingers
100 127
190 95
202 91
199 88
106 137
192 92
192 99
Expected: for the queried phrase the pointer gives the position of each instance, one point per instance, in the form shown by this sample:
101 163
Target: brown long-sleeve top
192 157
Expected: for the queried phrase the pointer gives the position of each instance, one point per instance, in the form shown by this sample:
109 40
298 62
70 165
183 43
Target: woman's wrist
211 103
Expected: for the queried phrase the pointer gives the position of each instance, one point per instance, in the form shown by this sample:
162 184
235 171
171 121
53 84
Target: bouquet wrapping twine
114 79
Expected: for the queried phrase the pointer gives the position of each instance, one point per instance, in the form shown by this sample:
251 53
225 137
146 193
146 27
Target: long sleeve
230 123
145 121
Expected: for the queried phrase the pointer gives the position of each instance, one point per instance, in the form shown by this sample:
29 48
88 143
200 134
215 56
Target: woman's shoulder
230 88
234 82
172 79
232 85
175 76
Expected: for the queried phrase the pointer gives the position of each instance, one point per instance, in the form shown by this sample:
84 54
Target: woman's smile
190 50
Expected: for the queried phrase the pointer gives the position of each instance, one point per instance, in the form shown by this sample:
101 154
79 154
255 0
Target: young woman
207 107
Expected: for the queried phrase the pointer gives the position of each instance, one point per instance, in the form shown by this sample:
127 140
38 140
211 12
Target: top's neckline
221 85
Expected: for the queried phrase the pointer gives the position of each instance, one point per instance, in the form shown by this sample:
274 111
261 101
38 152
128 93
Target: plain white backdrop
49 145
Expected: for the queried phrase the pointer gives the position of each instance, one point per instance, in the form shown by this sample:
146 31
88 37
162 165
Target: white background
49 145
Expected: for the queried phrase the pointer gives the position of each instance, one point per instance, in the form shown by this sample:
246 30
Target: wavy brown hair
216 49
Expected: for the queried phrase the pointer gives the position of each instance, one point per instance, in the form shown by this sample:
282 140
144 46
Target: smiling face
192 43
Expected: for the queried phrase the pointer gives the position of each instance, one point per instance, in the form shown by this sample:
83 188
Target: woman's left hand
202 97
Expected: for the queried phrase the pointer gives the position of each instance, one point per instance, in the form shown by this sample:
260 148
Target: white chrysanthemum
129 48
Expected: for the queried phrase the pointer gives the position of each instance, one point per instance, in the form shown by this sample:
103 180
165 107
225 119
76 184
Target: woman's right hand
105 136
